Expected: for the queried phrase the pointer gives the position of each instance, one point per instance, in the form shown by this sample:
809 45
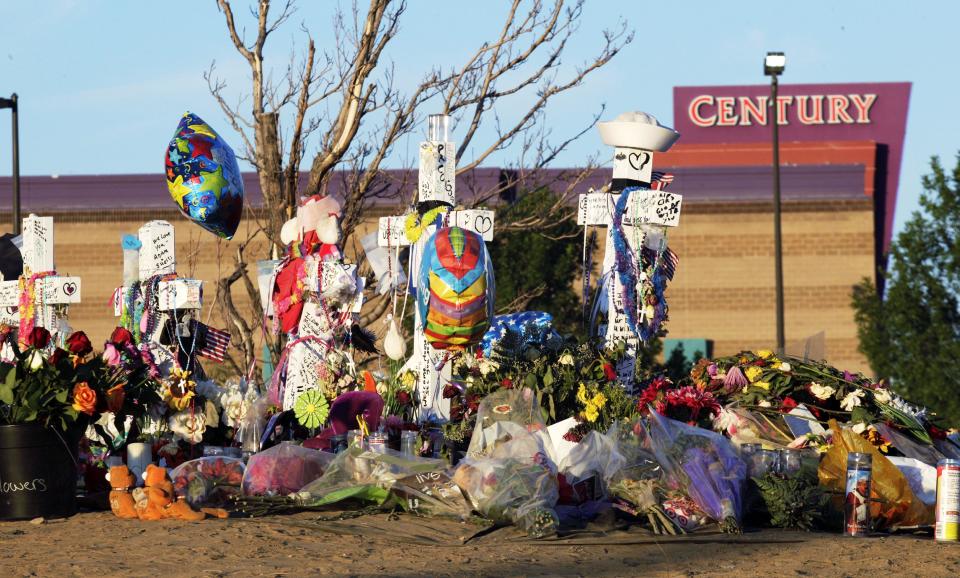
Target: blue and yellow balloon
203 177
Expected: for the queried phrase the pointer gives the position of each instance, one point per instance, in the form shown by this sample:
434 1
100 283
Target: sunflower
311 409
180 389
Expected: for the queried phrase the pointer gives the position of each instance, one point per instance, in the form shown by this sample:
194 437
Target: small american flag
668 261
212 343
660 181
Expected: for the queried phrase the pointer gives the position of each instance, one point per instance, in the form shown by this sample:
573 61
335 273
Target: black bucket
38 474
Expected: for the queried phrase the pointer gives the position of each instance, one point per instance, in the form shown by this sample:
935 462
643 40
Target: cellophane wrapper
700 463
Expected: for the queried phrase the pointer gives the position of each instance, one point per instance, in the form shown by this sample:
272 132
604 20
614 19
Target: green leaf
62 396
548 377
861 415
530 380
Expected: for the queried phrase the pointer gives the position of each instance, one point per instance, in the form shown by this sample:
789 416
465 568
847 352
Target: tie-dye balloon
203 177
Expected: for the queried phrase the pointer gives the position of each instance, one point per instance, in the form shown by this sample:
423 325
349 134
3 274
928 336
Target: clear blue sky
103 83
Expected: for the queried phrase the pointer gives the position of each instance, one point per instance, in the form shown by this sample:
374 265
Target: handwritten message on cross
155 254
648 213
436 185
52 293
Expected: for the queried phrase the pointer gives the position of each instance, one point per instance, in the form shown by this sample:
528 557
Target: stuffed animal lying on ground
159 501
122 483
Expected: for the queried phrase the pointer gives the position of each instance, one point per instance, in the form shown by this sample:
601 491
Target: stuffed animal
122 482
158 490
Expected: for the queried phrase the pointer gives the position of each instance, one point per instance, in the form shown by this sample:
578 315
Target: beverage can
856 503
948 501
377 442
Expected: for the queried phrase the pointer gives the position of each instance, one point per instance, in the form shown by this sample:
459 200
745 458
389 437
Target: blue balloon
203 177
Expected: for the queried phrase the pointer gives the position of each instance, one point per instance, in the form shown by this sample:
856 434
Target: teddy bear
122 482
158 493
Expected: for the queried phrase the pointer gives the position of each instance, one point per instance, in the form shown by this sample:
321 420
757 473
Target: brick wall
724 288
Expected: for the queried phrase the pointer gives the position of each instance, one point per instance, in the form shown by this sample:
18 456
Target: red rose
403 398
937 433
456 413
57 357
450 391
38 338
473 402
121 336
507 383
79 344
788 404
609 372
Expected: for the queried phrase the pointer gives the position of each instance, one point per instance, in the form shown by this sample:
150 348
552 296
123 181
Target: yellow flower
591 413
753 373
763 385
764 353
599 400
408 379
582 394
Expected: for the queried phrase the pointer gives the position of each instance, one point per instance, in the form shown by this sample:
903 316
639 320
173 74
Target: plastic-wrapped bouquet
514 484
701 464
208 481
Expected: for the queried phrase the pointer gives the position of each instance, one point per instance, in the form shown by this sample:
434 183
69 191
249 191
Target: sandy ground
98 544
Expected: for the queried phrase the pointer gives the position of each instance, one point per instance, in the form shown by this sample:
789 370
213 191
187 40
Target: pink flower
735 379
110 355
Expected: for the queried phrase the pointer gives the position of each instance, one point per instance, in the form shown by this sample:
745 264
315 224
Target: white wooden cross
157 256
648 213
436 183
53 294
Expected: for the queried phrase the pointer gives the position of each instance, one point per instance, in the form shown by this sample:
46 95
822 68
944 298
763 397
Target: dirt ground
98 544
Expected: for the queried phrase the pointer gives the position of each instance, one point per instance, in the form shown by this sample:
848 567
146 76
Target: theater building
841 147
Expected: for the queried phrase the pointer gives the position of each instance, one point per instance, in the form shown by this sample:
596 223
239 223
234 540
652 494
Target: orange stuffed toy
122 482
158 491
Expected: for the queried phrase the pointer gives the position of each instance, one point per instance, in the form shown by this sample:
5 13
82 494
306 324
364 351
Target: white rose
764 403
882 396
7 355
189 426
785 366
35 361
859 428
234 409
566 359
822 391
852 400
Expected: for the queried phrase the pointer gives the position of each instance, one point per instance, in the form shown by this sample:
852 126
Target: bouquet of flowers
766 383
702 465
208 481
284 469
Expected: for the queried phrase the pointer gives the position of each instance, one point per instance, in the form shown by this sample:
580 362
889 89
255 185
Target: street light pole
11 103
773 67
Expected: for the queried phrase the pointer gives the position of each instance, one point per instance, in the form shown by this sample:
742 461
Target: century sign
865 112
708 110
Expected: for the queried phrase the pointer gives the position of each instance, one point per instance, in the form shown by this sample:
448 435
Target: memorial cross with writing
635 137
52 293
436 187
150 254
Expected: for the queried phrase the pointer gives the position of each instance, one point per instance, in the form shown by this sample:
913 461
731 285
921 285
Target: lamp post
773 66
11 103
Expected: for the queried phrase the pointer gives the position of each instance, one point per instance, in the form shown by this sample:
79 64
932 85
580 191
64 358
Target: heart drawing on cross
638 160
482 224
